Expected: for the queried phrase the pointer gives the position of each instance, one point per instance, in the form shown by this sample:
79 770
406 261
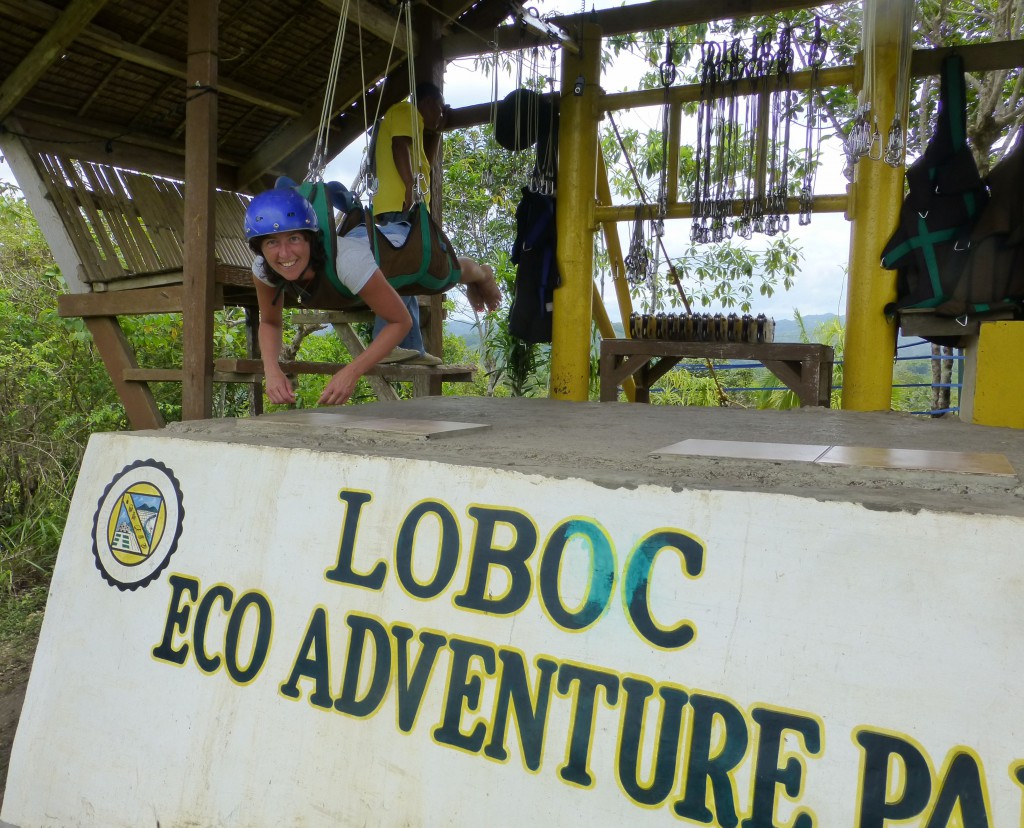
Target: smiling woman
282 229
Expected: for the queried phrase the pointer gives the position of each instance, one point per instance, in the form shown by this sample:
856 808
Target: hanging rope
896 141
864 139
487 177
745 114
815 59
667 72
319 161
367 180
777 219
673 273
548 173
638 260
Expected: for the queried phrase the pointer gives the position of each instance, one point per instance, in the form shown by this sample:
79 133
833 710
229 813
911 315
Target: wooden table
805 369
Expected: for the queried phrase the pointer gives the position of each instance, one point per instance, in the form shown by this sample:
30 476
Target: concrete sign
243 635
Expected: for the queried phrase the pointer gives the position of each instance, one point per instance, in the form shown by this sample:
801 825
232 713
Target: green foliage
488 182
457 352
53 394
21 617
829 333
682 387
751 272
482 184
520 368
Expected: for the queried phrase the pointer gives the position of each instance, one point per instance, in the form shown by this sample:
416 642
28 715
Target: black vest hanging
946 195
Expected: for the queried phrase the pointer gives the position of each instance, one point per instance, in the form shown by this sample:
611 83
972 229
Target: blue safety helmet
278 211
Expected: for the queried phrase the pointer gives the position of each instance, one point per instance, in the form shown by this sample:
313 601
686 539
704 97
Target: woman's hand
481 288
279 389
340 388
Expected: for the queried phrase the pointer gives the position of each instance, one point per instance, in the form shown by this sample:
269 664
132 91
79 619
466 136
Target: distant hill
466 331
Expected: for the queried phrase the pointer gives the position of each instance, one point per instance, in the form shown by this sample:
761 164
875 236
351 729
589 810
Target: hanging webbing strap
426 259
315 192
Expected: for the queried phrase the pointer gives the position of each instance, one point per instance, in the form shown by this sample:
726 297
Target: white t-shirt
355 264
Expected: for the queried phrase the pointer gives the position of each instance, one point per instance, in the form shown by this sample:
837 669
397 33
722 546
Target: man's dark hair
426 89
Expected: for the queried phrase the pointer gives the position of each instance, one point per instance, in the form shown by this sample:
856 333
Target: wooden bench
251 370
168 299
805 369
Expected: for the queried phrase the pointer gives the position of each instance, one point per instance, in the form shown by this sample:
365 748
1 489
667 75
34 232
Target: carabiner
876 143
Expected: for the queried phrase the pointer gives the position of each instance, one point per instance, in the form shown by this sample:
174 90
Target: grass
22 615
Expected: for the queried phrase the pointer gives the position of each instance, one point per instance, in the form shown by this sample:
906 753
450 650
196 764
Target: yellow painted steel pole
574 218
874 210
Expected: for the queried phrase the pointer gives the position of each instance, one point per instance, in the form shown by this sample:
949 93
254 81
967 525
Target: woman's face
287 253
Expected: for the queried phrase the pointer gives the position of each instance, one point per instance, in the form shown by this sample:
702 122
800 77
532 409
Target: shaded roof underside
115 89
105 80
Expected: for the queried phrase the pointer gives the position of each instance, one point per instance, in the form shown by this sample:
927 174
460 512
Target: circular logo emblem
137 524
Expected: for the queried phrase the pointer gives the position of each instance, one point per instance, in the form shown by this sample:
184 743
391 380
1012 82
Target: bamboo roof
106 80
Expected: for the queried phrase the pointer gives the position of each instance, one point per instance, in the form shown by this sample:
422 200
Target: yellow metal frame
872 206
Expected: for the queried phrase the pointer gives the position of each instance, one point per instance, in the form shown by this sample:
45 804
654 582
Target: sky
819 287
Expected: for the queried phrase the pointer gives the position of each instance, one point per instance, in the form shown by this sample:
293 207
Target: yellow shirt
398 123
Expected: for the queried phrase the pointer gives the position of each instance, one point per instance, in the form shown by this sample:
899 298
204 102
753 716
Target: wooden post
429 66
118 357
252 347
200 183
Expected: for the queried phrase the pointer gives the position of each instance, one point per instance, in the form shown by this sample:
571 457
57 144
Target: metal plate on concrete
922 460
310 416
425 429
957 462
392 426
742 450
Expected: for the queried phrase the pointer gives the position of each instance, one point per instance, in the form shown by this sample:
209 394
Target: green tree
484 184
53 394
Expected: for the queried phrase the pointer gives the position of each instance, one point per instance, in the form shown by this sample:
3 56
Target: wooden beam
89 140
637 17
298 135
804 368
21 160
377 22
177 375
153 60
395 371
152 375
47 51
383 391
200 210
430 67
118 357
978 57
95 37
167 299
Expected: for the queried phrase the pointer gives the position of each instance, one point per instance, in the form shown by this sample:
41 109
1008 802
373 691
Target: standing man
407 142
